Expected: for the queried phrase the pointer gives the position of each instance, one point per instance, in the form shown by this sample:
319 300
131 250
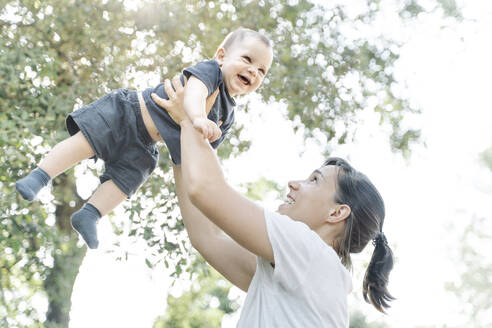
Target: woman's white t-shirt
308 286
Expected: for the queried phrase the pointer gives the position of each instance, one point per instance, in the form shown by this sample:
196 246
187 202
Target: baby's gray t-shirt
223 109
308 287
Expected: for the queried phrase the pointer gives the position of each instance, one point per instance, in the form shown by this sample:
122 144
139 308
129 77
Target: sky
429 198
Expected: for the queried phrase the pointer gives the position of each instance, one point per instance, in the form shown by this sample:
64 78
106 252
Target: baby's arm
194 105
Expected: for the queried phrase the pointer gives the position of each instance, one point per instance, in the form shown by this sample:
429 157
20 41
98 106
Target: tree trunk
67 256
59 284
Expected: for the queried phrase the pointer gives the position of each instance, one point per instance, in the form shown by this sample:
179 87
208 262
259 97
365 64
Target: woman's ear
220 55
339 213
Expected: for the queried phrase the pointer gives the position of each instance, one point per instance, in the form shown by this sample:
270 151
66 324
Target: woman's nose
293 185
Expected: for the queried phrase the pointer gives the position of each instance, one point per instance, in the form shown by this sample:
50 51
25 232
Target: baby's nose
253 71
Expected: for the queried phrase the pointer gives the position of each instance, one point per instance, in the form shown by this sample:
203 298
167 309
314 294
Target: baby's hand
208 128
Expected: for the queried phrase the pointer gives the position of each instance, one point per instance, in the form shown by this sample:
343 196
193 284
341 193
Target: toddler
123 127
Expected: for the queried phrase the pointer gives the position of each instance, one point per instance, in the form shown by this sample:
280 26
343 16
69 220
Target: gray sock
84 222
30 185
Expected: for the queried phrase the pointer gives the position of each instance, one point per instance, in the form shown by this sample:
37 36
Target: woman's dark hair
365 223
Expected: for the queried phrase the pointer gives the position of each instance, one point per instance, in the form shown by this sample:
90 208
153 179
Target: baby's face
244 65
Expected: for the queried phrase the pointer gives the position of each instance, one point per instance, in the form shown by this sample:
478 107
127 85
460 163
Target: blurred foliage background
57 55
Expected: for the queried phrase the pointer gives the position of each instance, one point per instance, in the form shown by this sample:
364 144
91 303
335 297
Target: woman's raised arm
236 263
240 218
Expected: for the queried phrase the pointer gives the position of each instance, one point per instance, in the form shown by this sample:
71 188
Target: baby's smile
244 79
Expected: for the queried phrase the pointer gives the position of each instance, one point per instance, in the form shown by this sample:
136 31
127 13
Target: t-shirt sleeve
294 246
217 142
208 72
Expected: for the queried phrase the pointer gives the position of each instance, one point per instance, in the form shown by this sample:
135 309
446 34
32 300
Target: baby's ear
220 55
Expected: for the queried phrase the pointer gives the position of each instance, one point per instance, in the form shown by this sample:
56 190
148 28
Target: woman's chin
282 208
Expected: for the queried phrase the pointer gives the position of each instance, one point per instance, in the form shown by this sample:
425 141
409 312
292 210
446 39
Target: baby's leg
104 200
63 156
66 154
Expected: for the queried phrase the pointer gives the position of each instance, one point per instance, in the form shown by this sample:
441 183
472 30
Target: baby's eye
262 71
248 59
314 178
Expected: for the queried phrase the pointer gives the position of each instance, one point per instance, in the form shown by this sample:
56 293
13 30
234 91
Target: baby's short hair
242 33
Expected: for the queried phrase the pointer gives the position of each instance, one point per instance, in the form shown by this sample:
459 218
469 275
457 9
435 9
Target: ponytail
365 221
376 277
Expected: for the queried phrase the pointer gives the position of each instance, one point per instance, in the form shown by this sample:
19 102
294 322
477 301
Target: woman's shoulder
300 232
298 229
289 233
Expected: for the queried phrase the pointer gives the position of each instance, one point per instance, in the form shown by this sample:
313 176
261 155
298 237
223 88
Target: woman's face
312 200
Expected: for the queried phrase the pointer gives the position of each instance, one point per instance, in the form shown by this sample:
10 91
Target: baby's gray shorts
115 130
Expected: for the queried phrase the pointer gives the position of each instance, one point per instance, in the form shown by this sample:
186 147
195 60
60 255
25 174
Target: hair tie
380 240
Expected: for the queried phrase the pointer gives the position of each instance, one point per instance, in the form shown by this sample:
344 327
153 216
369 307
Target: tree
57 55
52 58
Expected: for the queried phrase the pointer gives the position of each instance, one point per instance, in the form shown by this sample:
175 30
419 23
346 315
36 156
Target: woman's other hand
173 105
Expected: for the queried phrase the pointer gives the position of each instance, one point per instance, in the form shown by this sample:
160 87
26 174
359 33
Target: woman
293 263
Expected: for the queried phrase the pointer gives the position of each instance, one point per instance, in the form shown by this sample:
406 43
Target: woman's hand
174 106
207 128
